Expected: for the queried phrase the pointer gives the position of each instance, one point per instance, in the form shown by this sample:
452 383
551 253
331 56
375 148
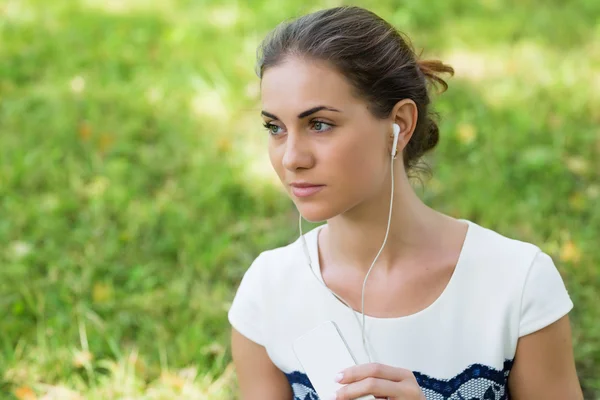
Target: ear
405 114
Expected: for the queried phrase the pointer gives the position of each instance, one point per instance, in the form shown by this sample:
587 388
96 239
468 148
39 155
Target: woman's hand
382 381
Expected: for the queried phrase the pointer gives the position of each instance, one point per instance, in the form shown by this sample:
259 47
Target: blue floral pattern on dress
476 382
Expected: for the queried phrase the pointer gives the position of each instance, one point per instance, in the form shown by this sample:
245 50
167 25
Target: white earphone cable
307 254
387 231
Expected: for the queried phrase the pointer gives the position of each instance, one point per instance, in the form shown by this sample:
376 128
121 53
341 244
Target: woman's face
321 134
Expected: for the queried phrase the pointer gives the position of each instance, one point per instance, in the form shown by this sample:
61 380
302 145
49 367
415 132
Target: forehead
297 84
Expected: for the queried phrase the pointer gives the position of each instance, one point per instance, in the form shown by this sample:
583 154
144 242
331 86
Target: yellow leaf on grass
224 145
106 141
569 252
25 393
85 131
466 133
102 292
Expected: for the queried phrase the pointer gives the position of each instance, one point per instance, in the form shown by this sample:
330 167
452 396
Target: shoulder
496 243
496 267
263 289
495 253
277 265
520 273
513 278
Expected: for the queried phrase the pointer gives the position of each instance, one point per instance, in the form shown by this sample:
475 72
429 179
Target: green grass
135 188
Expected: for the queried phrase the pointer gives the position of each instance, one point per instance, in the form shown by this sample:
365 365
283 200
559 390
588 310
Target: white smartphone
323 353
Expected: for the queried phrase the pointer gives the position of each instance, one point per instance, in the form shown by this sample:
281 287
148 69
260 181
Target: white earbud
396 135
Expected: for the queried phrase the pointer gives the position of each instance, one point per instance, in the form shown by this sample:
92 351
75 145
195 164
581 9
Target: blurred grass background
135 188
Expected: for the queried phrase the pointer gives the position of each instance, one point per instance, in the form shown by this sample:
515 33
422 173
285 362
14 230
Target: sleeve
247 311
545 298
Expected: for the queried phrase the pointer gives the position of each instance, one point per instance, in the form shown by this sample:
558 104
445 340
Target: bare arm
544 367
258 377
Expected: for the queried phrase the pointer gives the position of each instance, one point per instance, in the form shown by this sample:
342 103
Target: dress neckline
313 241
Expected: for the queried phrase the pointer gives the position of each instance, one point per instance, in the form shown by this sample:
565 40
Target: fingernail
339 377
333 397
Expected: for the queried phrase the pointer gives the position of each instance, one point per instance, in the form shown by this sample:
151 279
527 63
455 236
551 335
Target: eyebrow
303 114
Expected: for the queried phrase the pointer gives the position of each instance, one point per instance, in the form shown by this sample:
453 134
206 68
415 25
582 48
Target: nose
297 153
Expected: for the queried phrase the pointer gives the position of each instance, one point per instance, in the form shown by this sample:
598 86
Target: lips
305 189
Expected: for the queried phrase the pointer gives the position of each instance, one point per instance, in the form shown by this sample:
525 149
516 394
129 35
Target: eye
272 128
321 126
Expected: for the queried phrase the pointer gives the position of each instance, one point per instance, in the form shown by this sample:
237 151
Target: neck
354 238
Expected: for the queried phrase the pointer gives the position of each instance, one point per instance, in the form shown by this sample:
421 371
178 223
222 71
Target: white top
461 346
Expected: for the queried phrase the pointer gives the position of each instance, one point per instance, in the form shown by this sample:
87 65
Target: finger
381 388
374 370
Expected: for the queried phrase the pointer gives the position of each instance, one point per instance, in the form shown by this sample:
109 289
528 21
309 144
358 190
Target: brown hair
378 61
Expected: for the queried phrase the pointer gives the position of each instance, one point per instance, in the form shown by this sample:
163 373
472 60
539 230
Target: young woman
453 309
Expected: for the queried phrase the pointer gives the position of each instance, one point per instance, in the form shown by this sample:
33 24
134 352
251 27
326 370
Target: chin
315 211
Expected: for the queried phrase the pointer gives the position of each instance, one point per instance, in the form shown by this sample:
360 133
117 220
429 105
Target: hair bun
433 136
431 69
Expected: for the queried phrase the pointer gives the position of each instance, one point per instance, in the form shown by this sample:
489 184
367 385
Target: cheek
361 165
275 157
